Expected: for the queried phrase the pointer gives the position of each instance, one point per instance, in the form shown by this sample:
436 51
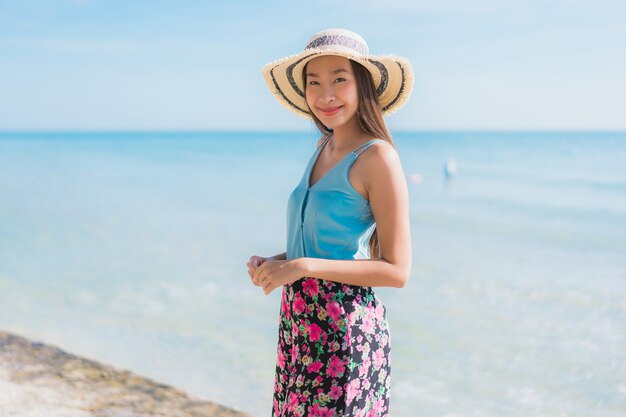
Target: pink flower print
278 386
359 339
315 332
310 287
347 338
281 359
334 310
314 367
365 366
298 304
335 392
285 304
314 409
368 325
366 384
379 358
379 312
293 401
329 412
352 390
350 319
276 407
294 351
378 407
318 411
335 367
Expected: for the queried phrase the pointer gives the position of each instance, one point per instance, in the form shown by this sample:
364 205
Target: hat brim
393 78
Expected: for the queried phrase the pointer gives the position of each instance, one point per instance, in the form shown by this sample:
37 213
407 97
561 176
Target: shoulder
383 163
381 153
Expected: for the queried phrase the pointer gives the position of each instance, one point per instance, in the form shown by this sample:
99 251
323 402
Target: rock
37 379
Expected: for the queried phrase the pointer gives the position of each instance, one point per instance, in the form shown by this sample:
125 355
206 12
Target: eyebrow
337 71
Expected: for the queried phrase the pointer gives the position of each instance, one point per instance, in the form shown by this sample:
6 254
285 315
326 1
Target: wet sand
38 379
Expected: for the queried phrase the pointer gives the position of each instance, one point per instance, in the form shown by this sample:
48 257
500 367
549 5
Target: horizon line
299 131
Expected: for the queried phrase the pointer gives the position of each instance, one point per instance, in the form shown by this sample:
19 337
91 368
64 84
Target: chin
332 122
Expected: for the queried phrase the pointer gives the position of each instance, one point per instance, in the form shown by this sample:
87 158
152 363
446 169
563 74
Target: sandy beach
37 379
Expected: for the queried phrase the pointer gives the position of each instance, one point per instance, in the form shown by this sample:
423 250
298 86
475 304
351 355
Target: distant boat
449 168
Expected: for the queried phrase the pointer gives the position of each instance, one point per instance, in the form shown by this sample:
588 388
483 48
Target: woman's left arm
389 199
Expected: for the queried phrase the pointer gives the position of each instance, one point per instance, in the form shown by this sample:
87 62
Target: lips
329 111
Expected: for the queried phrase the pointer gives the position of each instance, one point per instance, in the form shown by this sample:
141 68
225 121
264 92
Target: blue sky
195 65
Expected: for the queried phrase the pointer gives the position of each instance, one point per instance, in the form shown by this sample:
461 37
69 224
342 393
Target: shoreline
40 379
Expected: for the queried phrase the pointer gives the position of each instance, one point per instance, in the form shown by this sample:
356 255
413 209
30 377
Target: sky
196 65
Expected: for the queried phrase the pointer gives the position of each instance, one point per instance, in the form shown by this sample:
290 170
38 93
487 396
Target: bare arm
279 257
361 272
388 194
391 267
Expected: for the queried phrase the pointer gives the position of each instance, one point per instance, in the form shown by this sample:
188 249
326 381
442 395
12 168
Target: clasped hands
270 273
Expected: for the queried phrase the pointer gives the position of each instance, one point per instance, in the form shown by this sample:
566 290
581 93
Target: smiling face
331 89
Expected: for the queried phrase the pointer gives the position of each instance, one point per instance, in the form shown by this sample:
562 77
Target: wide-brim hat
392 74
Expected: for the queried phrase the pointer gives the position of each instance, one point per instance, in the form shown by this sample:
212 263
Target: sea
130 248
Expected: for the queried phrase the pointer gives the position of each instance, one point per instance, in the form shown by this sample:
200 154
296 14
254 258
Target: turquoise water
131 248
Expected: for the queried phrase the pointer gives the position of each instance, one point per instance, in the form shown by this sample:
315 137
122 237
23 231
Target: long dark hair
370 117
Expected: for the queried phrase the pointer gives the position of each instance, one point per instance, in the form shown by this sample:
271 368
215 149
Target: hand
253 264
273 273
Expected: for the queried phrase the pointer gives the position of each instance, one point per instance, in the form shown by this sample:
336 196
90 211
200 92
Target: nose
328 95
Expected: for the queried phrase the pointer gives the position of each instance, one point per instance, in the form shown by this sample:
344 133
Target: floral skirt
334 356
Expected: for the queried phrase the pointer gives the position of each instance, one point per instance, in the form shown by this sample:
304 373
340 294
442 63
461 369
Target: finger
260 271
267 285
265 280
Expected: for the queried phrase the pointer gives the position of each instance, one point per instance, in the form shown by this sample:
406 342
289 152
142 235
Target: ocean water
131 248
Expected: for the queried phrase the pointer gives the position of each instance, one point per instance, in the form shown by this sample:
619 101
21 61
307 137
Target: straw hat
393 75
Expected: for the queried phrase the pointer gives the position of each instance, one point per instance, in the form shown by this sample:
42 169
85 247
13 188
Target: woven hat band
325 42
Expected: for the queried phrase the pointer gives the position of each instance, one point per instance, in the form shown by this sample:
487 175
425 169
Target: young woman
347 230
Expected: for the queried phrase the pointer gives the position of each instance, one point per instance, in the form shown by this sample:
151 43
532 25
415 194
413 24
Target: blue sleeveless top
330 219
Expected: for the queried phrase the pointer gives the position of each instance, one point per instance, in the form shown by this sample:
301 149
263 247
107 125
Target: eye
311 82
340 78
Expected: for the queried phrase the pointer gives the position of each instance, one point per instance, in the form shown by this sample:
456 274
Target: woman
347 230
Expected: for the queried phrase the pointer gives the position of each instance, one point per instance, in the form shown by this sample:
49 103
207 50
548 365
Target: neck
347 135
